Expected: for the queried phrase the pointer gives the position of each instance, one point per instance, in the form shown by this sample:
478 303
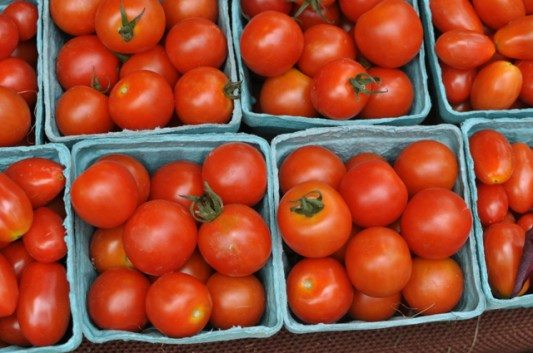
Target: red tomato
455 14
271 43
41 179
519 187
311 163
313 219
374 193
529 6
464 50
178 305
9 290
10 332
197 267
353 9
174 180
390 34
492 155
155 60
196 42
309 17
426 163
361 158
83 110
378 262
287 94
75 17
526 221
179 10
26 51
18 75
368 308
515 40
107 249
105 195
497 13
436 223
526 93
129 26
160 237
462 107
141 100
236 172
116 300
16 214
44 307
25 15
237 242
250 8
15 117
237 301
319 290
435 287
496 86
9 35
457 83
18 257
492 203
45 240
86 61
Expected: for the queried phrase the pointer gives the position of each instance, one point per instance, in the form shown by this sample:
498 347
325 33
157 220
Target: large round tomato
16 214
155 60
497 13
18 75
492 203
464 50
18 257
45 240
160 237
179 10
496 86
75 17
369 308
454 14
250 8
526 93
178 305
15 117
8 288
25 15
197 267
319 290
116 300
457 83
353 9
271 43
129 26
141 100
436 223
492 155
10 332
107 249
515 40
9 35
519 187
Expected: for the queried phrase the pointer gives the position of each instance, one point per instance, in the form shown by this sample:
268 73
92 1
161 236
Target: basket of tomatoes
480 57
129 67
375 67
500 170
376 228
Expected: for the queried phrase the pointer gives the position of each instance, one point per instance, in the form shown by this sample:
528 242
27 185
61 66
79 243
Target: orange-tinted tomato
496 86
497 13
492 155
515 40
464 50
454 14
16 214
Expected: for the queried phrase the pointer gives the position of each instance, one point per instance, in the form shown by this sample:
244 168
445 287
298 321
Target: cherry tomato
496 86
368 308
116 300
236 172
197 267
26 51
436 223
435 287
178 305
19 76
25 15
519 187
141 100
45 240
179 10
160 237
155 60
526 221
515 40
492 203
447 15
309 17
44 307
319 290
353 9
10 332
9 290
426 163
457 83
374 193
105 195
107 249
9 35
361 158
497 13
271 43
15 117
313 219
16 214
196 42
129 26
75 17
464 50
250 8
18 257
526 93
492 155
237 301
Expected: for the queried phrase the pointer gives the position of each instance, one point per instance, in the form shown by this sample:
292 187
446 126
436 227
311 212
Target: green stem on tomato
361 81
309 205
230 88
126 31
207 207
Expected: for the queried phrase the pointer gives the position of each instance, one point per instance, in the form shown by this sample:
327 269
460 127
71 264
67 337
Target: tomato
26 51
44 308
174 180
340 89
313 219
25 15
10 332
435 287
497 13
86 61
390 34
178 305
462 107
9 290
361 158
19 76
152 233
496 86
196 42
105 195
394 94
250 8
116 300
526 221
309 17
457 83
353 9
311 163
319 290
141 100
492 203
202 96
75 17
236 172
368 308
107 249
271 43
503 245
519 187
426 163
197 267
287 94
15 117
526 93
464 50
237 301
137 170
237 242
45 240
129 26
515 40
9 35
436 223
179 10
456 14
374 193
155 60
16 214
529 6
492 155
18 257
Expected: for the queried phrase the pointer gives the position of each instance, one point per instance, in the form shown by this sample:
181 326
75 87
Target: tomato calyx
315 5
126 31
526 264
207 207
309 205
230 88
359 84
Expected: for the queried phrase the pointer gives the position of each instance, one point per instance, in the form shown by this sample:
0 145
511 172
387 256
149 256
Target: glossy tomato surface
17 255
178 10
493 156
8 288
107 249
454 14
15 118
464 50
75 17
457 83
18 75
497 13
45 240
515 40
175 180
25 15
497 86
9 34
492 203
156 60
16 214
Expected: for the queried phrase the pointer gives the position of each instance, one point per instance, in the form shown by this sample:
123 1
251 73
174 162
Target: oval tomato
155 60
361 158
496 86
497 13
492 203
353 9
75 17
464 50
526 221
16 214
330 14
18 75
526 93
45 240
492 155
10 332
519 187
9 35
9 290
369 308
18 257
25 15
515 39
250 8
107 249
454 14
15 117
197 267
457 83
179 10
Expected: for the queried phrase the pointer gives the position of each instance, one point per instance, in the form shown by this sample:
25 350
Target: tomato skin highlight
25 15
18 257
515 40
16 214
10 332
75 17
20 76
464 50
492 155
107 249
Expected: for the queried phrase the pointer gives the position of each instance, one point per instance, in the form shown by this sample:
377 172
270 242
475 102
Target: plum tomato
519 187
526 222
9 289
492 155
45 240
492 203
496 86
455 14
497 13
464 50
18 257
16 213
